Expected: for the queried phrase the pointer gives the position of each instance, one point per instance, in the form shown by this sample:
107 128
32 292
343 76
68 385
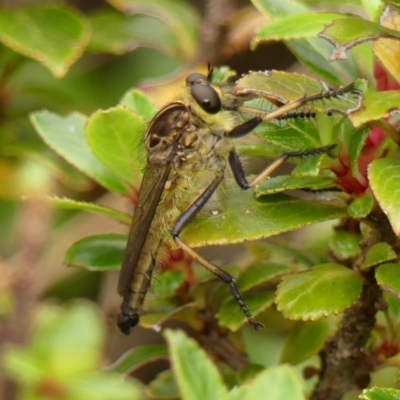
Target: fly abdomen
135 293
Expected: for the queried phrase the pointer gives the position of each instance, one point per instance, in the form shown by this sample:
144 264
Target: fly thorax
190 148
164 132
218 124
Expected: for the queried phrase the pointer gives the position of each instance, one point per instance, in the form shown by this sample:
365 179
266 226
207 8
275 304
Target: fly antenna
210 72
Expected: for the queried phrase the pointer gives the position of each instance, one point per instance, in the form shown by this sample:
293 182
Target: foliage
329 296
63 363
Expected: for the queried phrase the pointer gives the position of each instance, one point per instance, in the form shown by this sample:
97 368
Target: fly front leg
240 177
246 127
182 221
280 113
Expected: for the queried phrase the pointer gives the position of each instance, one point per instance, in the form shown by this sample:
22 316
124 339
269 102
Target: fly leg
300 102
248 126
245 128
240 177
182 221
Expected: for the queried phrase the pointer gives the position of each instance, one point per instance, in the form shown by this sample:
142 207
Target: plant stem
344 358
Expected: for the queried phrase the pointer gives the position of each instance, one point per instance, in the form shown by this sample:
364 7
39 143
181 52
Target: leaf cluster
314 287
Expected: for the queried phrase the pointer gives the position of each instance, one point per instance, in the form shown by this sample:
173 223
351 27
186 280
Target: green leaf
393 303
301 135
345 245
384 178
377 393
314 53
296 26
355 143
388 277
98 252
305 340
324 290
231 316
59 341
70 176
258 150
278 383
72 360
106 386
54 35
361 206
116 136
309 166
278 9
22 365
178 15
138 102
187 313
301 256
373 8
68 204
378 254
259 273
138 357
223 75
238 392
116 33
249 372
376 105
286 182
168 282
196 375
203 290
65 135
277 85
285 86
352 31
163 387
61 327
243 217
393 3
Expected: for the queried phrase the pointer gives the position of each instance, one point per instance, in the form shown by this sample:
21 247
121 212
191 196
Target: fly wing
162 138
152 187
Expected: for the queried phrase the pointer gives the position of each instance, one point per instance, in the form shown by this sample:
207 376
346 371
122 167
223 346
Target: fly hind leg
182 221
239 175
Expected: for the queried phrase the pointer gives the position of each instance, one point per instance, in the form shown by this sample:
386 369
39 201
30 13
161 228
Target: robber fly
189 144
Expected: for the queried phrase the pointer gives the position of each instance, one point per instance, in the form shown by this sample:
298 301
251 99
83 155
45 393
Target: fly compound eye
206 97
196 77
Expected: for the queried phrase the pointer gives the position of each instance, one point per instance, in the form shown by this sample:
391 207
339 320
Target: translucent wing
152 187
162 138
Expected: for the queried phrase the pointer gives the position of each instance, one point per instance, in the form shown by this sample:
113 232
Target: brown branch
344 360
219 343
223 348
20 282
212 32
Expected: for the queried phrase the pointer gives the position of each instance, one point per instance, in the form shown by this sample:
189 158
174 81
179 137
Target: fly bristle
306 108
329 93
297 114
307 114
328 150
210 72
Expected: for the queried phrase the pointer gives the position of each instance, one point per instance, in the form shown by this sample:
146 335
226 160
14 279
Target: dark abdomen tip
126 322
